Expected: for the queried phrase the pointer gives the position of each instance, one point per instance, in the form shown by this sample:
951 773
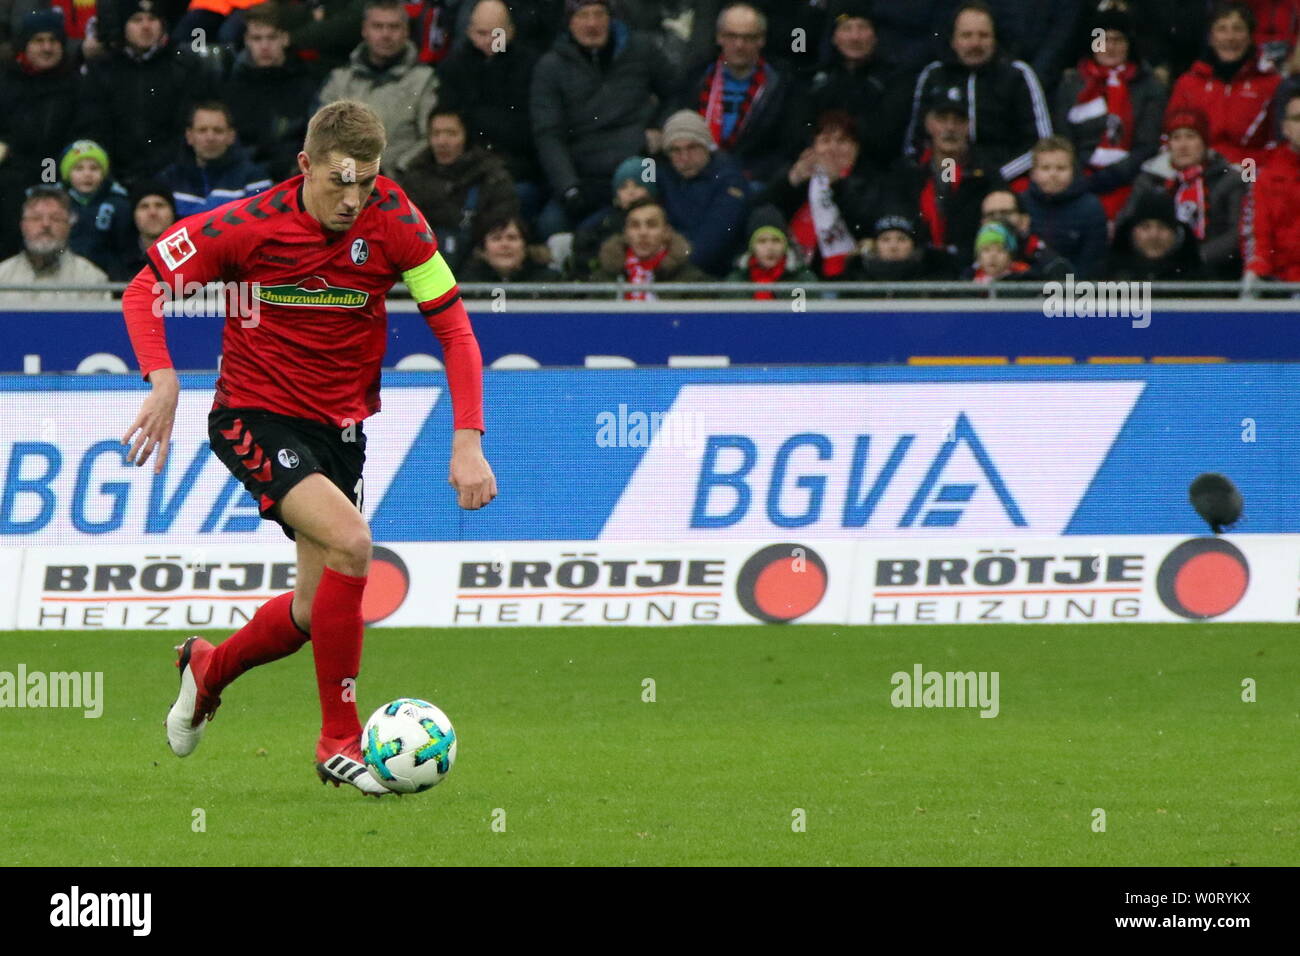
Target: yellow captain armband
430 280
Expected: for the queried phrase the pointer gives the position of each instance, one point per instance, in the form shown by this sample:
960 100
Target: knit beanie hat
144 188
573 6
1189 119
633 168
765 231
994 233
40 21
82 149
688 125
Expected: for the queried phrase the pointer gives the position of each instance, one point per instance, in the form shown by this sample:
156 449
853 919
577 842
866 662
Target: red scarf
641 271
711 105
931 210
1112 85
758 274
1188 187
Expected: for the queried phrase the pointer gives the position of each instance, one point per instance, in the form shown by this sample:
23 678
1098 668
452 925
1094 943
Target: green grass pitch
749 724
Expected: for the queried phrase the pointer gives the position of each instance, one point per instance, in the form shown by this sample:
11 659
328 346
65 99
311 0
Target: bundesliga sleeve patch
177 248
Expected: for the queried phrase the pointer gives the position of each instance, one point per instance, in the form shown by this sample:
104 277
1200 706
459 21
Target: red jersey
306 325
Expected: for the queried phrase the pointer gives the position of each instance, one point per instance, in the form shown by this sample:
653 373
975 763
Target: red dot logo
386 587
1203 578
782 582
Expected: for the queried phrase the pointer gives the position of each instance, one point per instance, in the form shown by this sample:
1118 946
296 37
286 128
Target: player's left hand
471 475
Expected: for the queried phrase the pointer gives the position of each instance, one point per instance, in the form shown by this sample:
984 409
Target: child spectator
1110 107
1069 218
1151 245
771 258
634 180
501 255
1229 86
1207 190
102 231
995 256
897 255
647 254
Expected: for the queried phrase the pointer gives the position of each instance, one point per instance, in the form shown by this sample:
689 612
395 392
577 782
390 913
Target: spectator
102 229
501 255
1061 210
995 256
742 97
896 254
538 21
593 105
212 169
1207 190
825 198
1110 107
325 33
704 193
634 180
384 72
771 258
1271 223
1038 32
455 186
270 92
153 211
949 180
39 91
138 97
790 19
1229 87
487 82
648 253
1008 208
46 259
434 25
1008 113
1151 245
683 31
855 76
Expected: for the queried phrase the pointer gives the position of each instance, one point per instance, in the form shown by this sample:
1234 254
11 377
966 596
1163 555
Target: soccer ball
409 745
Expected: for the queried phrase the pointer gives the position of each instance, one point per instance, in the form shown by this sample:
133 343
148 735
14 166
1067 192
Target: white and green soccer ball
409 745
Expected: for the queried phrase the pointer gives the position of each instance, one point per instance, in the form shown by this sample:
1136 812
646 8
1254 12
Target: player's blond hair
347 127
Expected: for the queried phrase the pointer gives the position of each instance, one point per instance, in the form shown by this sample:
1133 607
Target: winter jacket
326 43
1225 191
876 94
104 231
477 269
454 198
1038 32
201 188
1181 264
590 110
590 235
960 208
857 196
403 94
766 138
1008 109
1147 96
708 210
1073 223
676 266
271 106
925 264
37 111
795 271
1239 112
491 92
136 107
1270 222
784 17
915 32
695 18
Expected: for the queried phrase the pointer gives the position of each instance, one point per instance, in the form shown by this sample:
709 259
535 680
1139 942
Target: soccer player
298 376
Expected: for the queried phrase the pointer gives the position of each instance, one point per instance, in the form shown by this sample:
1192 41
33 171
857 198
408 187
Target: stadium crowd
654 141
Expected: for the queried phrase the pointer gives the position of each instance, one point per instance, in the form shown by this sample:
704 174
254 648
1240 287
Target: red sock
336 631
269 636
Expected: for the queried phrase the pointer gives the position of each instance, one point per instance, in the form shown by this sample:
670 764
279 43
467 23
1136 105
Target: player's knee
350 551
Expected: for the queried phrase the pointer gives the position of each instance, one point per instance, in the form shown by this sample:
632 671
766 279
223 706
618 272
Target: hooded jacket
1225 191
1239 111
1007 107
590 109
402 94
1072 222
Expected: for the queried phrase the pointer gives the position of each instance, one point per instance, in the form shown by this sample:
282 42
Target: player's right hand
152 428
